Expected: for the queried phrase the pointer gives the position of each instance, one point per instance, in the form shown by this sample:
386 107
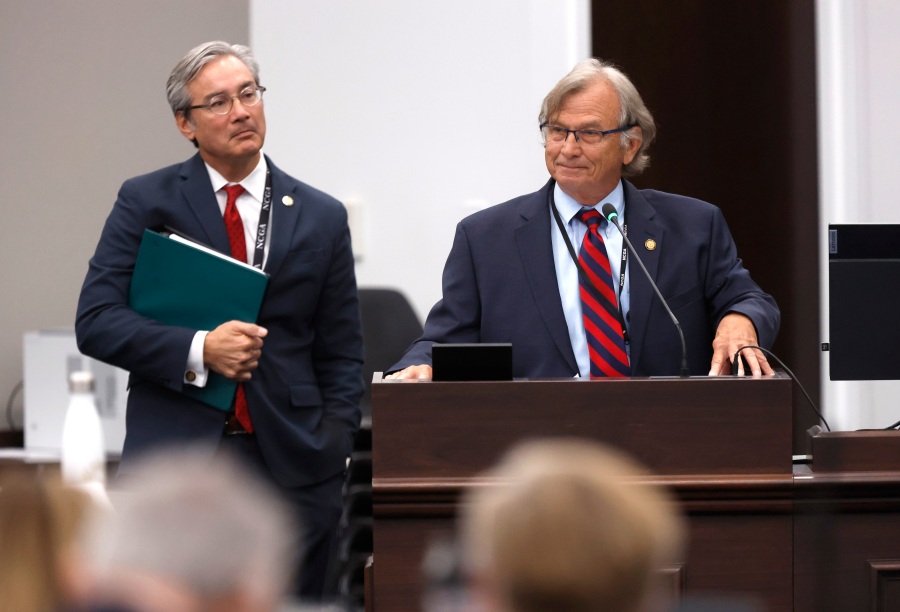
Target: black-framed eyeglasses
221 104
557 133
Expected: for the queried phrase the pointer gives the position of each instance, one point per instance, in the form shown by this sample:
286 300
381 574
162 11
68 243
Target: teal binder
185 284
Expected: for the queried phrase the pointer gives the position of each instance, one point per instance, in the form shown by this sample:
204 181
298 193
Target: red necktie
235 228
602 326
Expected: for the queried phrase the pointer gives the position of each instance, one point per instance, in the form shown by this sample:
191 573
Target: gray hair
195 59
203 523
633 109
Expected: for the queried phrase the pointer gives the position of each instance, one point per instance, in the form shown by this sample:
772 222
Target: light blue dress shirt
567 272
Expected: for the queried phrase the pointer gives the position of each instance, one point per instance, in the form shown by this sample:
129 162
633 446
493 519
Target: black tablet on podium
489 361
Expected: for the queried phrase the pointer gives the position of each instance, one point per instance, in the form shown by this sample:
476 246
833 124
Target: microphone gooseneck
609 212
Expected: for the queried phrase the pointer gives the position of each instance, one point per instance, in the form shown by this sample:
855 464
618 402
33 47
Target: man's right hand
417 372
233 349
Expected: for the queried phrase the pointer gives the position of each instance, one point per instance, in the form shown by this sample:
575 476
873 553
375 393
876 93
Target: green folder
186 284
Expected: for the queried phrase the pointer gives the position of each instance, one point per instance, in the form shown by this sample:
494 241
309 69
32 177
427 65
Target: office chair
389 326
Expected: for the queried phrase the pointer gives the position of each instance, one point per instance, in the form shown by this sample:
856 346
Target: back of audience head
188 534
40 520
563 526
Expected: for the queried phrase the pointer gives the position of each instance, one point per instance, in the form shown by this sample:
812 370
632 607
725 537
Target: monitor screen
864 302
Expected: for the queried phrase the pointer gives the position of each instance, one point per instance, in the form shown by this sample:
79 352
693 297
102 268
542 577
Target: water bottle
83 456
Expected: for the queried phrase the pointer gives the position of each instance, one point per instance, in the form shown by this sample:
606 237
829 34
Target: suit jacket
500 285
304 396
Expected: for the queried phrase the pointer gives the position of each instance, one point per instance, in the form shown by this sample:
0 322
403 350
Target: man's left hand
735 331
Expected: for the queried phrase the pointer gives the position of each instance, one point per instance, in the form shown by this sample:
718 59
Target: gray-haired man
298 365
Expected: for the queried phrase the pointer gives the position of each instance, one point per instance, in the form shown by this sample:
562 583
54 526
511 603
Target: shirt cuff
195 372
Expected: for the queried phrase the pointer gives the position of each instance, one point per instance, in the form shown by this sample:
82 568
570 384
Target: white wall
414 113
859 163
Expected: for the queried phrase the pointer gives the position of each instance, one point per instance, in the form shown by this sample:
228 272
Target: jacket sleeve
337 349
105 327
730 288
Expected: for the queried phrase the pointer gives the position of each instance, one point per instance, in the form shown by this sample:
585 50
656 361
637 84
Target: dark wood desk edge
737 492
856 451
697 494
377 378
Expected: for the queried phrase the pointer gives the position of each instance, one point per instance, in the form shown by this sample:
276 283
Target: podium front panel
675 426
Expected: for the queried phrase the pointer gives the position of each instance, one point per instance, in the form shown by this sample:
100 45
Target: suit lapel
286 209
202 201
536 253
639 217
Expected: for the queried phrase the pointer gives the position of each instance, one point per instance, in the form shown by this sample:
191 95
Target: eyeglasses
222 104
556 133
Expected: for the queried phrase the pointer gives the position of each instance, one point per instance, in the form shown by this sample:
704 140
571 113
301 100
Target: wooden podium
847 523
722 444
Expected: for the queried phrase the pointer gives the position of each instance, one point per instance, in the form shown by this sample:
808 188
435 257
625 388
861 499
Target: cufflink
190 376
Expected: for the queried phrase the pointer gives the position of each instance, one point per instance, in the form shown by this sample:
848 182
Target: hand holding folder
182 283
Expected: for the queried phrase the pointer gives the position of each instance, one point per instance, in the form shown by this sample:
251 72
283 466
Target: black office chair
389 326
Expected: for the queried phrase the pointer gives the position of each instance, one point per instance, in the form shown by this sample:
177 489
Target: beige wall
84 108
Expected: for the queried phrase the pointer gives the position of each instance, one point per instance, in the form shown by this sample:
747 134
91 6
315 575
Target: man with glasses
548 273
299 365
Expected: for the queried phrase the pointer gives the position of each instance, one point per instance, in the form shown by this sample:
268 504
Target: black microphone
609 211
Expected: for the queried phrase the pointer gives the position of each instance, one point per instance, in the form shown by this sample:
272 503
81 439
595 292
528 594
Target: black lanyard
263 226
586 280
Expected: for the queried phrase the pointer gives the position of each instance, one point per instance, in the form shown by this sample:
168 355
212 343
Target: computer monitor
864 302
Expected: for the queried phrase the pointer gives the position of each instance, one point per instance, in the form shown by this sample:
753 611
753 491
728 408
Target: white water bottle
83 455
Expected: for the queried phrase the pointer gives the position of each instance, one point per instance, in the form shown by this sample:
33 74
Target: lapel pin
287 201
650 244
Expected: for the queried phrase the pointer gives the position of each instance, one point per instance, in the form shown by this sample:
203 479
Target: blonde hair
39 519
566 527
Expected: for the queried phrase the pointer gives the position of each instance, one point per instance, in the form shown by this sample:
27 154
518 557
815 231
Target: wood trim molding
885 585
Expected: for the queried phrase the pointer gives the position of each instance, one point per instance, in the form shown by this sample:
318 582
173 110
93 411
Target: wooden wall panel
732 86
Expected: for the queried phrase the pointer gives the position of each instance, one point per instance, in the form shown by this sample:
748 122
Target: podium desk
722 444
847 523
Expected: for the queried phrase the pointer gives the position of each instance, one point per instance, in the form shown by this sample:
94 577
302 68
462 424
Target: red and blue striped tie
602 326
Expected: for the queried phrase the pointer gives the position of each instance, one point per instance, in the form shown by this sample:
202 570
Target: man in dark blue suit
299 365
513 273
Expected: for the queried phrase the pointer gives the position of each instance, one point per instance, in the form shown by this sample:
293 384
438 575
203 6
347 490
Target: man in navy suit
512 274
299 365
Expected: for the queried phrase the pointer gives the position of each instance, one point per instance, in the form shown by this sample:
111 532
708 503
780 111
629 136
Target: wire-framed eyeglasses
222 104
557 134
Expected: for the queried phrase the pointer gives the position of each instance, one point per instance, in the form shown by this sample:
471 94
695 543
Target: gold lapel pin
650 244
287 201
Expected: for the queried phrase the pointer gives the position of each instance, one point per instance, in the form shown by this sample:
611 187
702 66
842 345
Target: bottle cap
81 382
